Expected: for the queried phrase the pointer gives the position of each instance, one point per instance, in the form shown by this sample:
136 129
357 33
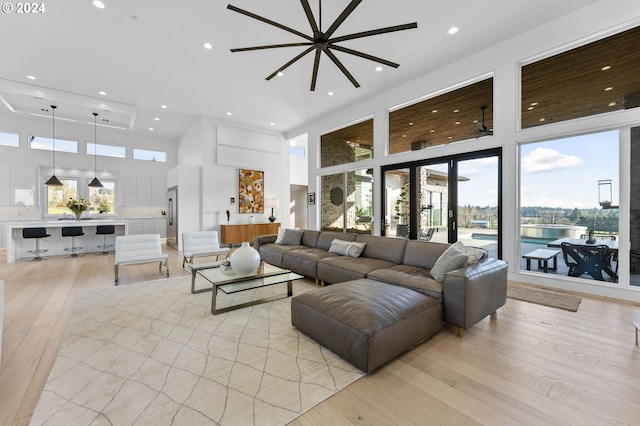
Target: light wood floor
531 365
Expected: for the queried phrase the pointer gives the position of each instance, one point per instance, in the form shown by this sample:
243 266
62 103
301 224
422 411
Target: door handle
170 211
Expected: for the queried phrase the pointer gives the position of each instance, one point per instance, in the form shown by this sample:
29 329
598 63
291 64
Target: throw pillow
450 260
291 237
475 253
280 235
346 248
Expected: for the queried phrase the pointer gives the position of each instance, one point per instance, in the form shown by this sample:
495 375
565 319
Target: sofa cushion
423 254
475 254
325 238
273 253
310 238
344 268
303 260
346 248
450 260
413 277
389 249
290 237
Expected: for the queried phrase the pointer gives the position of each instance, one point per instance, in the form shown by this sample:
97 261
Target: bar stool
36 233
105 230
73 232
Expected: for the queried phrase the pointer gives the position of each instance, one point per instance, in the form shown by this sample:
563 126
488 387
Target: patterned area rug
539 296
152 353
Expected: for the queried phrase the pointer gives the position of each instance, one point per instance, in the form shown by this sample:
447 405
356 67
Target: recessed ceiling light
272 124
432 131
280 74
378 69
228 113
434 111
608 89
457 122
410 124
30 77
163 106
456 110
102 93
208 46
151 128
404 136
612 103
156 119
534 103
543 119
605 68
98 4
452 30
330 93
530 108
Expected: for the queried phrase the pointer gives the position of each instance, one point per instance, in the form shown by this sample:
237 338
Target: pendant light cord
53 135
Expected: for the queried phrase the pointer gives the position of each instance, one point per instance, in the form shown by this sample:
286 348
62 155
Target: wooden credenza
236 234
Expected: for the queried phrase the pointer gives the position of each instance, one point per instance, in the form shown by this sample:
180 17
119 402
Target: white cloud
545 159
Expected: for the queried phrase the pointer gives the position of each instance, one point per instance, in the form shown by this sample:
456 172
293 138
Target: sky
557 173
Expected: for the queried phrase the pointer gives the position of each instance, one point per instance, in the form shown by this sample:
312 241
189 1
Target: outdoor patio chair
426 235
582 259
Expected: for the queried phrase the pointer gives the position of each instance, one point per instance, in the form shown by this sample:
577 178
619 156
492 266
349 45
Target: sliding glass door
446 199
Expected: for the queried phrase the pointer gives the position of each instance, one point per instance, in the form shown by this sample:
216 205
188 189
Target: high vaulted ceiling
148 53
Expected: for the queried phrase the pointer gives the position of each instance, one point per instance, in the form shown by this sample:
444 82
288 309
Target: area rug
152 353
554 299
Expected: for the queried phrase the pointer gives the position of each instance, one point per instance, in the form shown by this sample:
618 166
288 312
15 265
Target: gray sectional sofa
467 294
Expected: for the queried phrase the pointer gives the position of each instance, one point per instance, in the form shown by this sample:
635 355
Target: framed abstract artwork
251 191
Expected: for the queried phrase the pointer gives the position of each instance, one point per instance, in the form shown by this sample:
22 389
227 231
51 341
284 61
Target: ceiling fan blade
271 46
314 74
363 55
285 66
342 67
375 32
310 17
340 19
268 21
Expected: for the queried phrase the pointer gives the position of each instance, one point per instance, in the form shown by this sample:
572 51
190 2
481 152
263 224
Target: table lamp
271 203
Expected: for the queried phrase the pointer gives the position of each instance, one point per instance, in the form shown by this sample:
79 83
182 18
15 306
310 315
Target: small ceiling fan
322 41
482 129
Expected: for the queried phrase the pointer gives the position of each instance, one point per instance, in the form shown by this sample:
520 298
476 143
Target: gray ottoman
367 322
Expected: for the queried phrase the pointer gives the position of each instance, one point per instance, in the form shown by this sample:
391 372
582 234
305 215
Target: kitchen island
18 247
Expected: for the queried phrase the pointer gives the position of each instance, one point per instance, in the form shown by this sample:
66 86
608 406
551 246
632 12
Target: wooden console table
236 234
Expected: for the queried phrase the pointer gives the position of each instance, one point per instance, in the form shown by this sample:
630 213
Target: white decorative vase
245 259
251 219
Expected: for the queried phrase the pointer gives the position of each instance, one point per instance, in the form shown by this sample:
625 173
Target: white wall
601 18
220 150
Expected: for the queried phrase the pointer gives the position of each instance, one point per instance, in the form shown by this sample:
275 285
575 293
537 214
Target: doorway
445 199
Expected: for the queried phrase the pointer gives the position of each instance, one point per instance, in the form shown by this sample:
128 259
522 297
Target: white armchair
136 249
201 243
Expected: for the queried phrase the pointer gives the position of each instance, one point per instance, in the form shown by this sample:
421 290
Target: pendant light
95 183
53 180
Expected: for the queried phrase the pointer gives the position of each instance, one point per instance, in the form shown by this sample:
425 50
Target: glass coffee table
232 282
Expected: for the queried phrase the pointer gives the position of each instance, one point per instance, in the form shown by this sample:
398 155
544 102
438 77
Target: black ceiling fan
482 129
322 41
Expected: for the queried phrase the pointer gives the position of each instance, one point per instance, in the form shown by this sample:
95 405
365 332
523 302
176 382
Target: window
347 202
62 145
593 79
103 200
9 139
561 194
147 155
57 196
347 145
106 150
461 114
